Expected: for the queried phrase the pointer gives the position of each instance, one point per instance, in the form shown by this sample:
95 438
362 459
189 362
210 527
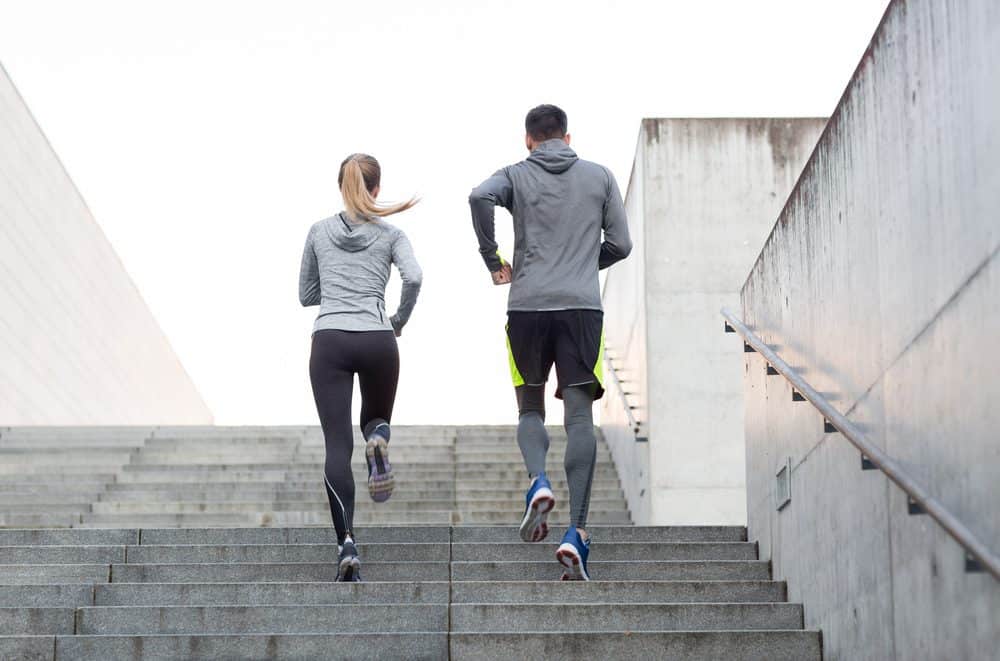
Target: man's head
545 122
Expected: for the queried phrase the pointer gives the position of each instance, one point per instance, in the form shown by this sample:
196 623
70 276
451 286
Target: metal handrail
892 469
634 424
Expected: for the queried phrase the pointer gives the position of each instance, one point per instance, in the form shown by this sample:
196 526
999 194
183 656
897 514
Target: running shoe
572 555
380 479
348 564
538 502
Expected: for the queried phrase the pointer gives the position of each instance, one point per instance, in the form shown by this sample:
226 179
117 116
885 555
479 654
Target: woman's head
359 179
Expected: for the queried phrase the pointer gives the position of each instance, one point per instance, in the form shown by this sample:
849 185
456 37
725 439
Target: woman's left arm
412 276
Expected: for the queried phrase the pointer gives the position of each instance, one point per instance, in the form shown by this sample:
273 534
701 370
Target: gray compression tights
581 449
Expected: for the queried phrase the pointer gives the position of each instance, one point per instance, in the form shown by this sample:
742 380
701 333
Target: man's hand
503 276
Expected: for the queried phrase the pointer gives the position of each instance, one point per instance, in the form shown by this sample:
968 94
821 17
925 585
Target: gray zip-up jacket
561 204
345 268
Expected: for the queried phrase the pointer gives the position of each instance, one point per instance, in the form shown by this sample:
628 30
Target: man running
561 205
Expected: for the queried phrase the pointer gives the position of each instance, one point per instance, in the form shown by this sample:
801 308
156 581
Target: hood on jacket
554 155
350 236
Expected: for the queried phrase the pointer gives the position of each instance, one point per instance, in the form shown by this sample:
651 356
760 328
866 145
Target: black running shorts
572 340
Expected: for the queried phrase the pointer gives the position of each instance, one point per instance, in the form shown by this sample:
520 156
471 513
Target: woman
345 268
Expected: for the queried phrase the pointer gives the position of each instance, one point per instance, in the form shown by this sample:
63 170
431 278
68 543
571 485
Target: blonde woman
345 268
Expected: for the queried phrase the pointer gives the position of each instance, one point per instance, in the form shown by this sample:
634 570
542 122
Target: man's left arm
617 244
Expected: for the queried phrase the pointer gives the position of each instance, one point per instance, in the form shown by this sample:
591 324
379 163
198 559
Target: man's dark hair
545 122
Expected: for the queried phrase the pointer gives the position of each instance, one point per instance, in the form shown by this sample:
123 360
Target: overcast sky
206 136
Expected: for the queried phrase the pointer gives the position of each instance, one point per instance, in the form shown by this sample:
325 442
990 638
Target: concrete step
616 591
559 519
27 502
76 433
71 536
277 493
572 618
163 520
88 455
472 470
316 535
619 551
385 552
369 534
600 570
36 621
203 553
613 534
255 594
39 520
673 645
16 472
253 646
46 486
321 517
57 555
353 618
282 572
23 505
159 490
166 594
35 648
400 505
46 596
60 574
71 443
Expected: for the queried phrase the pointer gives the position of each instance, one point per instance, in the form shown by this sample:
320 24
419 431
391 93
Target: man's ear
528 142
566 138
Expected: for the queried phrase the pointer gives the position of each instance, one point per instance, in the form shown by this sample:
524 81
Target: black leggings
336 357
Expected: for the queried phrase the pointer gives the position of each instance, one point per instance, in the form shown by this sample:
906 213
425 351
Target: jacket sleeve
412 276
617 244
309 289
495 191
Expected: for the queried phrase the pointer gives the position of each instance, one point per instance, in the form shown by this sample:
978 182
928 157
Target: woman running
345 268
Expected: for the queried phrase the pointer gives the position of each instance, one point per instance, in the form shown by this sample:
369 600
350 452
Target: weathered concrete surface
881 284
624 302
702 197
79 344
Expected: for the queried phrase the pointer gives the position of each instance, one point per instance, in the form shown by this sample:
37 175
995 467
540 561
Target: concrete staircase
199 543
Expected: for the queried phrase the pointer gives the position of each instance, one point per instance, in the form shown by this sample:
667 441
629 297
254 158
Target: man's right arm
617 243
495 191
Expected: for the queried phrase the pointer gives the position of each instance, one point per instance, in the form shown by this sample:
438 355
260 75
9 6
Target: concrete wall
881 283
78 345
703 195
625 341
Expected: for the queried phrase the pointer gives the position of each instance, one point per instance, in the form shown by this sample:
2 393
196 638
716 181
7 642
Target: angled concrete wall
703 195
881 284
78 346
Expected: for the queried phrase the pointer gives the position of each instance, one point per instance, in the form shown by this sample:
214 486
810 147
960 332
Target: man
561 205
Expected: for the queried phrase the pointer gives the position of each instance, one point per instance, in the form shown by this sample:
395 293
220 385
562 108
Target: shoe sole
569 558
534 525
350 570
380 479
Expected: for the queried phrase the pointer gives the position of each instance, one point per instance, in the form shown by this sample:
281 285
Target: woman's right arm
309 291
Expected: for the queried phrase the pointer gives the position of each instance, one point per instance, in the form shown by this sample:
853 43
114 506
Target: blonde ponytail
360 174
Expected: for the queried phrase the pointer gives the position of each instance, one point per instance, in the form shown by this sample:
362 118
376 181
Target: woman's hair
359 176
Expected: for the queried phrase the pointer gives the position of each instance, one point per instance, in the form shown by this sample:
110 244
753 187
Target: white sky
206 136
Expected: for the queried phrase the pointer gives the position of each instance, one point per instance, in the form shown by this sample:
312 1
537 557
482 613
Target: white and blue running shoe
348 564
538 502
572 555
